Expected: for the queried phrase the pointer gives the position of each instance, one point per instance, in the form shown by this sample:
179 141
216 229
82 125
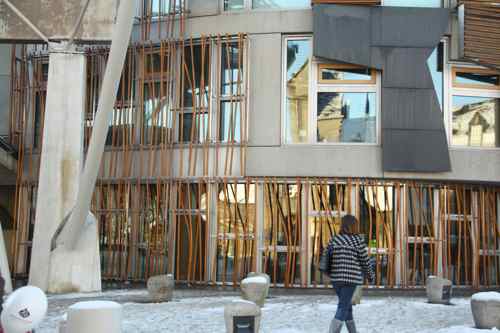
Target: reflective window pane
413 3
234 4
435 64
159 8
196 84
195 125
230 122
346 117
478 79
281 4
346 74
297 90
232 74
475 121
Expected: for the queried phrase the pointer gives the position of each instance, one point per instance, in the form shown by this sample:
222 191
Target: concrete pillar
61 160
439 235
4 265
212 201
259 221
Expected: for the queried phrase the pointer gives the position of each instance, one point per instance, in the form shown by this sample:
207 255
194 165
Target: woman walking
346 261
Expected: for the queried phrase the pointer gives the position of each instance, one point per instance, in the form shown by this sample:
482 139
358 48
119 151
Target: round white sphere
24 310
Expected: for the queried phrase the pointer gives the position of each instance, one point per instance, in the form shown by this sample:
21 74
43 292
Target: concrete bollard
242 316
486 310
161 288
255 289
95 317
438 290
268 278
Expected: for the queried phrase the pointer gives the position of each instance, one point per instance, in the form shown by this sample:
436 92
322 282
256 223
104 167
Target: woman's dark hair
347 225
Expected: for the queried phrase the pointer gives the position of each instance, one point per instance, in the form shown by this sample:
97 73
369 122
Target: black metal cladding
398 41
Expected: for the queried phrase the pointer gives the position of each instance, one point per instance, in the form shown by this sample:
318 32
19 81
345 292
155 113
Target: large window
346 104
327 102
210 82
475 107
297 90
230 5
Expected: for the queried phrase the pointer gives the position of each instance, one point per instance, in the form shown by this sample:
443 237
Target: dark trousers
344 308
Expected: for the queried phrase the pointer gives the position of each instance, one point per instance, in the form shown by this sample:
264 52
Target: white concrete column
305 249
212 200
4 264
400 257
61 160
438 232
259 221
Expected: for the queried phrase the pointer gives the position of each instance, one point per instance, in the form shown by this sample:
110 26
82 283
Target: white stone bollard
268 278
486 310
255 289
95 317
161 287
438 290
242 308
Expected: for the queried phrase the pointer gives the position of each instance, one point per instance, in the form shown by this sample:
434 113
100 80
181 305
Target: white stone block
95 317
161 287
255 289
241 308
486 310
439 290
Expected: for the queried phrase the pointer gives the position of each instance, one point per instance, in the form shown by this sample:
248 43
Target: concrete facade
5 56
56 20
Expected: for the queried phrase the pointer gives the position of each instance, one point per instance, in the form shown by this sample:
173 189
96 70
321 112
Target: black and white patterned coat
349 261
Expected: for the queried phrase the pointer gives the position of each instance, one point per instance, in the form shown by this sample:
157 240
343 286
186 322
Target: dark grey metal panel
407 68
408 27
410 109
399 41
415 151
331 40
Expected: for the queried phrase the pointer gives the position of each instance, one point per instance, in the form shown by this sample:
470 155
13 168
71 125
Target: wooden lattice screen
481 35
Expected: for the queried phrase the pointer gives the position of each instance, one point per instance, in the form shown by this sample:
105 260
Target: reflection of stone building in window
475 124
337 121
297 104
331 113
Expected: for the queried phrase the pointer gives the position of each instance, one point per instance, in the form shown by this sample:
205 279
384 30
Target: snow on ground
281 314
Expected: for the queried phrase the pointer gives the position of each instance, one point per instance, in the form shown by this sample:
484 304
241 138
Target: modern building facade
244 129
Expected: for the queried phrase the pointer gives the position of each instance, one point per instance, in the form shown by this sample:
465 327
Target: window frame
283 128
474 86
466 90
324 65
248 6
219 98
315 86
345 87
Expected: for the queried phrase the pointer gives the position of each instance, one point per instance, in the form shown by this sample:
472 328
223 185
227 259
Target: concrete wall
267 156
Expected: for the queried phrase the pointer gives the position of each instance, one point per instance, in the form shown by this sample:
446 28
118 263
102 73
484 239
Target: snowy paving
281 314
